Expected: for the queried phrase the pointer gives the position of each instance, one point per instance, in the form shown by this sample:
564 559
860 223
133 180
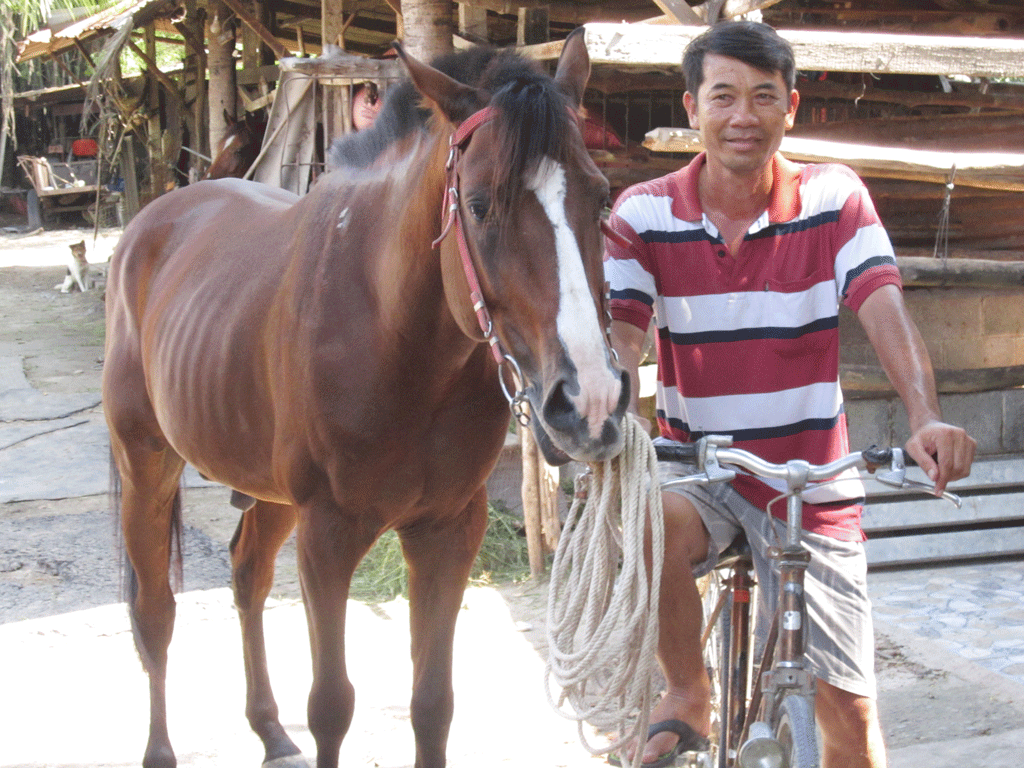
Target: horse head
524 269
239 148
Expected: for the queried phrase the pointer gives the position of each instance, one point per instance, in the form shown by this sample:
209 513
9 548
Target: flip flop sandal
689 741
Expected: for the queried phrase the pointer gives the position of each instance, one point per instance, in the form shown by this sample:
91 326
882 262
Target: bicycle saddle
739 549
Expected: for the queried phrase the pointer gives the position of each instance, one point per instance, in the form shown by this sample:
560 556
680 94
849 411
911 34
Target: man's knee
686 538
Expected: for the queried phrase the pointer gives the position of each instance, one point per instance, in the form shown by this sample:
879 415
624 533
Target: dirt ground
67 648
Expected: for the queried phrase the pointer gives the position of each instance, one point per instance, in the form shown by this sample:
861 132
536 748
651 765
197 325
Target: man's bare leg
851 732
680 616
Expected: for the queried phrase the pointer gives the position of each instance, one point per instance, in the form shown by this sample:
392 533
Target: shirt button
721 254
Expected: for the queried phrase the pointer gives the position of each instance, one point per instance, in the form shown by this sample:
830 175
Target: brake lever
896 477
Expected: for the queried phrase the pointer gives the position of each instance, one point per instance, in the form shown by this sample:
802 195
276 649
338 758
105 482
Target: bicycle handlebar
711 452
689 453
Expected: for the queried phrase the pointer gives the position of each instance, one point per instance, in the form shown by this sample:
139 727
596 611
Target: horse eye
478 209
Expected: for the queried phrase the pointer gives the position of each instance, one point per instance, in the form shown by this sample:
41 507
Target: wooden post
157 167
532 502
532 26
473 22
332 17
548 488
193 29
131 181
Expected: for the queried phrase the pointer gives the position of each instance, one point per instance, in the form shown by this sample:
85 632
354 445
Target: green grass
383 576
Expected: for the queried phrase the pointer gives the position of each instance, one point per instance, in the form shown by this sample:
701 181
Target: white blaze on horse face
579 327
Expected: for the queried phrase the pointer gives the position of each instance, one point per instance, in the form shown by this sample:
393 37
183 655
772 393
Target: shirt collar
783 204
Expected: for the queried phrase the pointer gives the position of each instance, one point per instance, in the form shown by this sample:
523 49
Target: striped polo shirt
749 346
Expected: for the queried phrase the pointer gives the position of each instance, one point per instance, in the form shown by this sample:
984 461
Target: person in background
366 105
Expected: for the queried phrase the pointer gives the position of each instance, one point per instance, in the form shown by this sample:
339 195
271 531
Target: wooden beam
647 45
911 21
254 24
684 13
925 272
870 381
850 92
342 64
669 79
680 11
988 170
571 12
971 132
152 68
734 8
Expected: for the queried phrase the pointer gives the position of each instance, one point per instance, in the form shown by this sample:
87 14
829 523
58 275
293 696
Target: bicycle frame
783 671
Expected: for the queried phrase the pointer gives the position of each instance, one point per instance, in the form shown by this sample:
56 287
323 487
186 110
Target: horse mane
534 118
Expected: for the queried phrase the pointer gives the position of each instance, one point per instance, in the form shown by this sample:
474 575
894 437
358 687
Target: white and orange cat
78 270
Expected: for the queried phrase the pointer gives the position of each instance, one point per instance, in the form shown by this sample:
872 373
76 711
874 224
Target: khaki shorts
840 641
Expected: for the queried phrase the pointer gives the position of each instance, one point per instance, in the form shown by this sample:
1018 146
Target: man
742 258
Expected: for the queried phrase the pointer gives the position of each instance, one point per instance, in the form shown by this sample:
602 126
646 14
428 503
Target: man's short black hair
751 42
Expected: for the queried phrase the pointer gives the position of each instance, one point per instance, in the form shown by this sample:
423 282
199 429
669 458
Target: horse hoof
291 761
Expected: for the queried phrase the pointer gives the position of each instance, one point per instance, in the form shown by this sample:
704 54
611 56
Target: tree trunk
220 38
428 28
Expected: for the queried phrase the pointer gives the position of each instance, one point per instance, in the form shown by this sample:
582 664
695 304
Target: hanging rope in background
602 608
942 233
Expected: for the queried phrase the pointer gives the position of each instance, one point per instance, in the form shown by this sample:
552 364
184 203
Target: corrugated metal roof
135 12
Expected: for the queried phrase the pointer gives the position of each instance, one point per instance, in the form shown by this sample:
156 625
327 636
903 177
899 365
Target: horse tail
128 579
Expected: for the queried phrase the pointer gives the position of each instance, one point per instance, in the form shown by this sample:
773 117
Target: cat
78 270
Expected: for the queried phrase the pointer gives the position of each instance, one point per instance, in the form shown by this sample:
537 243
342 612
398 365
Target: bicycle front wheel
796 732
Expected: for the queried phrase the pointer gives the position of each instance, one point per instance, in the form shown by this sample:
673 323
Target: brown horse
322 357
239 149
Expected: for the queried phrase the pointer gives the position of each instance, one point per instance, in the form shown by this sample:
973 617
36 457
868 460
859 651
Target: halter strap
450 213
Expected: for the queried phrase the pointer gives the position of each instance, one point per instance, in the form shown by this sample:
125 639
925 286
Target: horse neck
421 276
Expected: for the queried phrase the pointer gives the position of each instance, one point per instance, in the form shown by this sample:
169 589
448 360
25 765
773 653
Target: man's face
741 112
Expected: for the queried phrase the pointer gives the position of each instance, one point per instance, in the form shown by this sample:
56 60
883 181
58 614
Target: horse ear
573 70
456 100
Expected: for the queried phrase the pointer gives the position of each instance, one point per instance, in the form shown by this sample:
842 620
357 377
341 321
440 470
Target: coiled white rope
602 618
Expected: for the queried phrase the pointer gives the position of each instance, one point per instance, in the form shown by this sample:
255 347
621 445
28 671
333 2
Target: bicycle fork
783 669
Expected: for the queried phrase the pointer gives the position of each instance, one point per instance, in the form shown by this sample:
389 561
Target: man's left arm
945 452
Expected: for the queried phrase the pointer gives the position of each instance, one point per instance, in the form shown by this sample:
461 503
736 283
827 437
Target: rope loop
602 618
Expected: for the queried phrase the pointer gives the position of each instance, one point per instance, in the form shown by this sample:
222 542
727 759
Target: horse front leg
440 554
261 531
330 546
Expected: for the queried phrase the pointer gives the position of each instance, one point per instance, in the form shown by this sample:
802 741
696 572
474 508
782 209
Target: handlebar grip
883 456
682 452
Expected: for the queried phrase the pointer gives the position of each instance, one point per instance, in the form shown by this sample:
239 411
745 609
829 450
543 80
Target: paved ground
951 641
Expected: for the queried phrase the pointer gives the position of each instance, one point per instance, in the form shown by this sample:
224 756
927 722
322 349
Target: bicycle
765 710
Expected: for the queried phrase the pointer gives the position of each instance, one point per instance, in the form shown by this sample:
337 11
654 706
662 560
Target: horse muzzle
580 423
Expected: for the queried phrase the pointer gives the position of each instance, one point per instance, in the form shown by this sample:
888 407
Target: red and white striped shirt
749 346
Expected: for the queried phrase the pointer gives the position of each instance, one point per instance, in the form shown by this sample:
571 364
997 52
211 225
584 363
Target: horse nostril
559 411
